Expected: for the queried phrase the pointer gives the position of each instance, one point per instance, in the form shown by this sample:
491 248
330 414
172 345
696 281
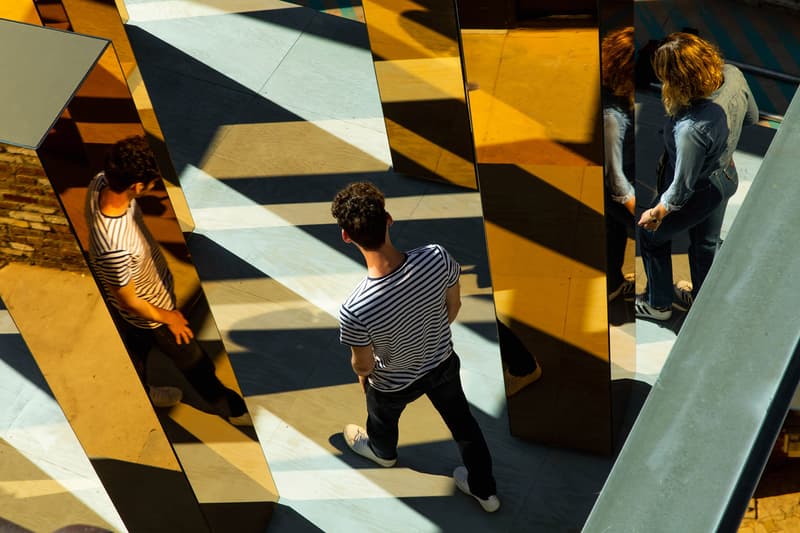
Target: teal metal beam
705 432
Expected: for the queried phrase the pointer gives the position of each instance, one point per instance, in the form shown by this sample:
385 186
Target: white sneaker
357 440
490 504
164 396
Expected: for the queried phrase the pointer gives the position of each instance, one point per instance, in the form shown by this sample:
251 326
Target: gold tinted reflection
104 19
61 315
418 67
535 109
212 452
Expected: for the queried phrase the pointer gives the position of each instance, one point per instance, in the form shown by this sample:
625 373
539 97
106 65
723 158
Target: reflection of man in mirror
137 281
620 197
397 324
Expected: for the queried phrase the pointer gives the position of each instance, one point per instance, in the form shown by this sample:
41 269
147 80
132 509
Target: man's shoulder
428 249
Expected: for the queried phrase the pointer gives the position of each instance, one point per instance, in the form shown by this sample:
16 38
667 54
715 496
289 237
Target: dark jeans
702 217
191 360
619 224
443 387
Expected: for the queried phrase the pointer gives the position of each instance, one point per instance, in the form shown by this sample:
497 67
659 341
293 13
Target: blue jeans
702 217
443 387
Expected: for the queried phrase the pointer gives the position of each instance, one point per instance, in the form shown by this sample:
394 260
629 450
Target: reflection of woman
707 103
618 95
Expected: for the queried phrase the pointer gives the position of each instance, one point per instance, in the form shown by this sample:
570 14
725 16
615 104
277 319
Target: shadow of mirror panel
415 48
108 181
535 103
617 94
65 325
102 18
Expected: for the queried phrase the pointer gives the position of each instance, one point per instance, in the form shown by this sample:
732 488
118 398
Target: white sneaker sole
490 505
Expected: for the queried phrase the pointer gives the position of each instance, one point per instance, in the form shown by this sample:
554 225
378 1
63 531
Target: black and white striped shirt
121 250
403 315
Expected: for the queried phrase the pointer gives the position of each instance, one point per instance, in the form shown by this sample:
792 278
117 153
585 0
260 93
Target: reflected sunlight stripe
176 9
336 483
51 447
7 325
310 213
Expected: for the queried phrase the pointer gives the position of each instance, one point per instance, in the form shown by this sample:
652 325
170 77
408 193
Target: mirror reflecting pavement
70 155
416 52
535 109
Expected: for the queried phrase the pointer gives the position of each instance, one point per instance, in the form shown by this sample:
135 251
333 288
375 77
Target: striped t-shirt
122 250
404 316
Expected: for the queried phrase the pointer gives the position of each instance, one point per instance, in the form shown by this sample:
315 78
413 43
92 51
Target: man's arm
363 361
175 321
453 302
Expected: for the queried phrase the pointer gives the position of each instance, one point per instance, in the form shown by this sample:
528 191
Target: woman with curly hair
620 198
707 103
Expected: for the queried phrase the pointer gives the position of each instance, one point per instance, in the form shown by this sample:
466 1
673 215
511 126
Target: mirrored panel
109 183
415 47
535 108
194 379
619 171
104 19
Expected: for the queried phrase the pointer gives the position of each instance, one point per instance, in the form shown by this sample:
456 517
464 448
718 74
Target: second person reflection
136 279
620 197
707 103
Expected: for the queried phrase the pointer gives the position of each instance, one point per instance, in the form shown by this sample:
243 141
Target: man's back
404 316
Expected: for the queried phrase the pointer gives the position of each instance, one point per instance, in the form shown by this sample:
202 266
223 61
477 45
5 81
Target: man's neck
382 261
113 204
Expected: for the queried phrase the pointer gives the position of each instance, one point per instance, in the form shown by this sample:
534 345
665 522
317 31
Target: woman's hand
652 218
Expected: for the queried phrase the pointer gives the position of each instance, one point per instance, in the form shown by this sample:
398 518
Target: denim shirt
700 140
619 155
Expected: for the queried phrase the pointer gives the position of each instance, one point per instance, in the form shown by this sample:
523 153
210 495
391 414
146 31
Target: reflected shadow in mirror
415 47
535 107
103 19
195 378
109 183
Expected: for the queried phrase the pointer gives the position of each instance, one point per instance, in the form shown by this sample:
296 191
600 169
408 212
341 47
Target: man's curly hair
130 161
359 209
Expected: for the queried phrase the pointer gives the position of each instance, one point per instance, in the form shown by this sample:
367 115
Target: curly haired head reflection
689 68
130 161
617 61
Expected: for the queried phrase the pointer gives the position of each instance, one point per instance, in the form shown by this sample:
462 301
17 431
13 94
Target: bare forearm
146 310
452 310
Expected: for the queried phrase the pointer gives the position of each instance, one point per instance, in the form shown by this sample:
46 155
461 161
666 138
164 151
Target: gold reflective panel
535 108
209 427
103 18
415 47
57 307
225 464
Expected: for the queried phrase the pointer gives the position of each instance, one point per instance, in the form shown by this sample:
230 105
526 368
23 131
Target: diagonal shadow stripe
529 207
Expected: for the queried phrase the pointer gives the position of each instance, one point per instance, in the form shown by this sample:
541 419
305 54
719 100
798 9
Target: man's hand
364 383
179 326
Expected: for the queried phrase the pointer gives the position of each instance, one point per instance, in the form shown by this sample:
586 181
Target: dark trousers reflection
619 228
520 367
189 358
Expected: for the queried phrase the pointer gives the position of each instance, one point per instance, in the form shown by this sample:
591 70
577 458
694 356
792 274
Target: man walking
397 324
136 280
